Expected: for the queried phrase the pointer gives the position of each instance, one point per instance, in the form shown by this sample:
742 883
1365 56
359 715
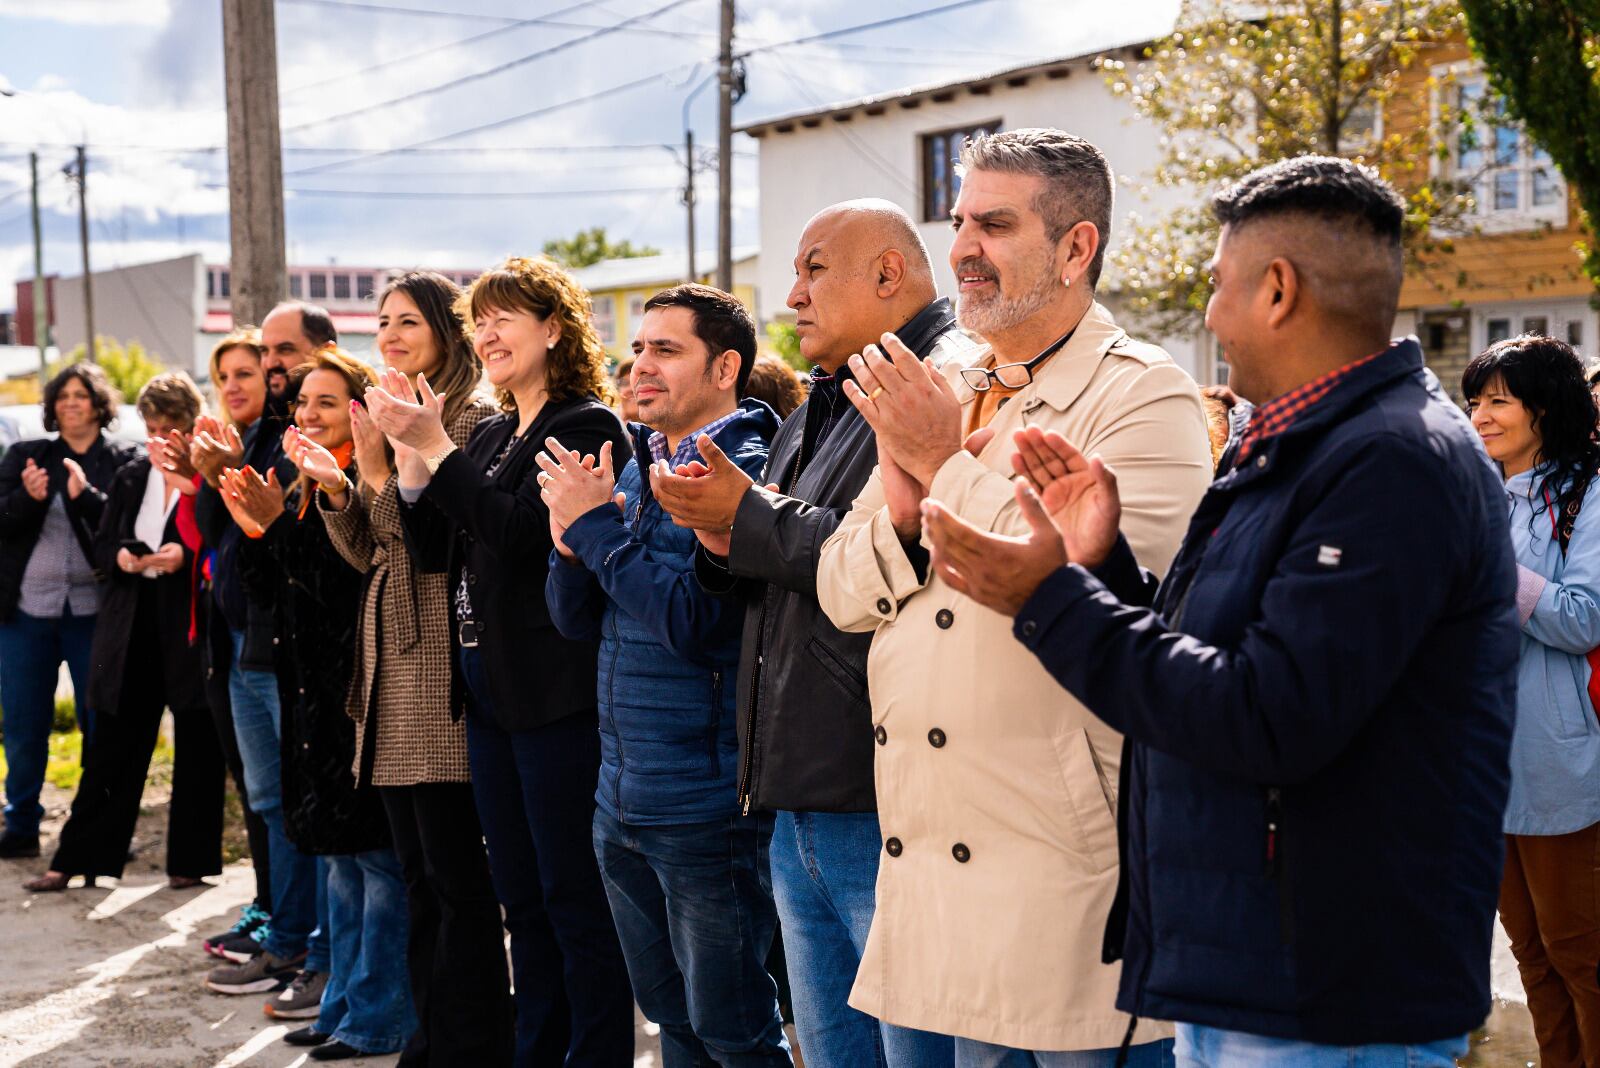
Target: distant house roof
1012 77
637 272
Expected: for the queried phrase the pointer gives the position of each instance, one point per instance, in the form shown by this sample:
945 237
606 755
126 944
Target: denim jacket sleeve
1566 615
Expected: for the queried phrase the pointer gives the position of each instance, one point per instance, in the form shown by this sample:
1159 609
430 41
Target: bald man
805 721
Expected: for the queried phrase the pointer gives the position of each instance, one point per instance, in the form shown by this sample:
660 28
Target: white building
901 146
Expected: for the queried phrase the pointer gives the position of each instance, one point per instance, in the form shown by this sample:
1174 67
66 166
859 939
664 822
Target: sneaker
305 1036
240 948
16 846
251 917
301 1000
256 976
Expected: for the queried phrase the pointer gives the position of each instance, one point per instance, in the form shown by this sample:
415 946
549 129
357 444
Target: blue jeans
693 905
535 795
367 1003
973 1054
824 877
1209 1047
31 651
254 696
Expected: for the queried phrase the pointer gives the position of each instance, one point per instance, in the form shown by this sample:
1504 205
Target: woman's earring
1066 281
552 344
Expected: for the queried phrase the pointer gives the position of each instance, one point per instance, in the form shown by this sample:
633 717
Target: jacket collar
924 328
752 417
1065 376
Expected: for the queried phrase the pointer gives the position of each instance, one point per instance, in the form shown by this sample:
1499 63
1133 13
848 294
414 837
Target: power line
330 150
458 194
497 123
492 71
864 26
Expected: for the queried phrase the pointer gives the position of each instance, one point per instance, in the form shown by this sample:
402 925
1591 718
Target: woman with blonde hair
289 563
528 694
408 744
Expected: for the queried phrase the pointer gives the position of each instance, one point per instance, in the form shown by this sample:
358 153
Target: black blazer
496 531
22 517
181 666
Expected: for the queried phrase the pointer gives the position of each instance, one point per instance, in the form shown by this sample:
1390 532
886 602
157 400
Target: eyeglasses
1011 375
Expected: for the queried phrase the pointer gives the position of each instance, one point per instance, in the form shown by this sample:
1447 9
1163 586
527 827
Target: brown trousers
1550 905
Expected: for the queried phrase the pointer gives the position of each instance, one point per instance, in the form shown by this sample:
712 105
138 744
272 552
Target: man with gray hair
805 722
996 790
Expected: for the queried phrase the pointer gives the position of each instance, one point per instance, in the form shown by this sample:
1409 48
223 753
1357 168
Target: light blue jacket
1555 750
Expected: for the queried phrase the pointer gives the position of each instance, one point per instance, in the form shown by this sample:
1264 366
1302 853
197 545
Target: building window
211 285
635 310
223 282
297 286
319 285
341 287
1511 178
364 286
940 183
605 319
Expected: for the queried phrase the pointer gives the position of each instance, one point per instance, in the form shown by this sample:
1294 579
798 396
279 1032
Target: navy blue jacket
668 649
1319 711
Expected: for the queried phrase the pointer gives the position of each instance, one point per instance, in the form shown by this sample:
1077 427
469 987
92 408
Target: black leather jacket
805 720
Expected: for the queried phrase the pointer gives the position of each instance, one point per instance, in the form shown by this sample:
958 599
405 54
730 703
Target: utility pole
83 243
725 150
255 159
41 314
688 195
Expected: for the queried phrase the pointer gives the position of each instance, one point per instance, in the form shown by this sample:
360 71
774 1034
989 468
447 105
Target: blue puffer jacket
668 649
1319 711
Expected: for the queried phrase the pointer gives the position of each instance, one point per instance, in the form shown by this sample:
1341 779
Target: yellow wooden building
619 289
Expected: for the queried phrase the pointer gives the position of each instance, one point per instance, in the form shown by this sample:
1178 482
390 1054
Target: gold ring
874 394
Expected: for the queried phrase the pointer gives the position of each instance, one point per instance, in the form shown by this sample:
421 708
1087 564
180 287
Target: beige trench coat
996 788
403 640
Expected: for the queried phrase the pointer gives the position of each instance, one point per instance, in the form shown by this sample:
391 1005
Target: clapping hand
1078 493
703 496
571 486
77 481
35 480
998 571
254 502
314 461
909 405
414 418
371 448
214 447
171 454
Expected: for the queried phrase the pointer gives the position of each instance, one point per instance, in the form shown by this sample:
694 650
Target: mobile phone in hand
136 547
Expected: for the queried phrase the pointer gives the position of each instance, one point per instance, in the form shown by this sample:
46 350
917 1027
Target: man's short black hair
1323 187
719 320
315 323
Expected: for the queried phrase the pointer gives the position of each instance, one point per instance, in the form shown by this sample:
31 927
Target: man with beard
996 790
290 334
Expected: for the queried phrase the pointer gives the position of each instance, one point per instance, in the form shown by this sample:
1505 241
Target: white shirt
154 510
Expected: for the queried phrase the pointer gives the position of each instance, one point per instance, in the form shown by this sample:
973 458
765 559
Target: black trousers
219 657
459 981
106 807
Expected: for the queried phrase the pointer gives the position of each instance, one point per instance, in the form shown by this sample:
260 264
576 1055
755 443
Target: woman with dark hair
52 496
408 744
777 384
289 564
145 659
1534 411
533 743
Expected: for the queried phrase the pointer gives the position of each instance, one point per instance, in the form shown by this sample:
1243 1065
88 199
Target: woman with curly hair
1534 411
528 694
52 494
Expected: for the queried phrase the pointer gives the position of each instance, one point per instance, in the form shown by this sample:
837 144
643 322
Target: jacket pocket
843 672
1092 799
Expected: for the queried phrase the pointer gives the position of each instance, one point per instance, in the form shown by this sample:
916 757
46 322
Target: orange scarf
342 454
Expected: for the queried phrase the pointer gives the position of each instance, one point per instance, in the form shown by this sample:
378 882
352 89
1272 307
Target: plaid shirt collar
687 449
1275 417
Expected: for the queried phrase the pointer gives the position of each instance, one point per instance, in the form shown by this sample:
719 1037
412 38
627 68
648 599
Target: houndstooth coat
400 693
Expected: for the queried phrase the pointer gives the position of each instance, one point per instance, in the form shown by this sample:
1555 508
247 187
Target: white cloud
90 12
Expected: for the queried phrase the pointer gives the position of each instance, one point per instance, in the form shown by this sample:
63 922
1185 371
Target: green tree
128 366
590 246
1543 59
1231 93
785 342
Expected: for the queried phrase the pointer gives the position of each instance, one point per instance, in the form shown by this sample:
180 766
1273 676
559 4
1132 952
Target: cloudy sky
141 82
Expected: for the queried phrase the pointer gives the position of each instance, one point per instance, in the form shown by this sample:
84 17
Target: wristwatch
432 462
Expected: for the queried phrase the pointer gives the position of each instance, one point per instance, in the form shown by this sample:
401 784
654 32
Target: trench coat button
944 618
961 853
893 847
936 738
884 606
881 735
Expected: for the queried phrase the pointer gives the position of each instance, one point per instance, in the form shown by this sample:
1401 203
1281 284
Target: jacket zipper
611 706
747 769
1275 865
